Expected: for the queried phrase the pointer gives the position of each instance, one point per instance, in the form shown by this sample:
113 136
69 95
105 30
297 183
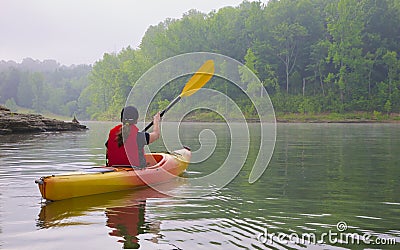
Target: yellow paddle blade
199 79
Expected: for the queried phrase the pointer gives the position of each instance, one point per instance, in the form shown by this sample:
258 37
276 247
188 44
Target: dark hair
129 116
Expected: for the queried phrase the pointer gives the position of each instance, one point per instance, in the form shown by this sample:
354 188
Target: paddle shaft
175 101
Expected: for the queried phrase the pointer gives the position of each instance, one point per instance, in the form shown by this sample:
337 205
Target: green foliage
340 55
39 93
162 104
110 82
204 116
388 106
309 106
250 61
379 116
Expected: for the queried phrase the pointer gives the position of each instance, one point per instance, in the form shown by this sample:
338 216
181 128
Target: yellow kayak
161 167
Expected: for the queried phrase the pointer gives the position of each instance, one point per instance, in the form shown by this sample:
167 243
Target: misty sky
80 31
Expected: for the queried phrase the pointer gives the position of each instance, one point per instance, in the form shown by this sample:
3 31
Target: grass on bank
354 117
47 114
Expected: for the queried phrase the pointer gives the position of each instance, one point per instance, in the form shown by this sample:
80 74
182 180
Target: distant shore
20 123
355 117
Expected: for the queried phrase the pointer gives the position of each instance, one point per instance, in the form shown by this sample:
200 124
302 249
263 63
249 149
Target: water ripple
319 175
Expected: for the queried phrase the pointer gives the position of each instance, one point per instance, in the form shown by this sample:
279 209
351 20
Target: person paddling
125 143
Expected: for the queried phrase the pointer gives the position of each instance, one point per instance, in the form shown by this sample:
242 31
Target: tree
392 64
284 45
9 84
317 64
246 76
345 26
39 92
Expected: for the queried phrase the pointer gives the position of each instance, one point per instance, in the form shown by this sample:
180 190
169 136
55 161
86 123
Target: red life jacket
128 153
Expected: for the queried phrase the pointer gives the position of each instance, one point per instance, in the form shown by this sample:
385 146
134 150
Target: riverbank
46 114
356 117
17 123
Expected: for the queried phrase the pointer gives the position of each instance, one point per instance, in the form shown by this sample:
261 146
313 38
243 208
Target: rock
15 123
2 108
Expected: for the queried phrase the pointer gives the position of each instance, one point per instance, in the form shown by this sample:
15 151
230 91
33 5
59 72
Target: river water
323 179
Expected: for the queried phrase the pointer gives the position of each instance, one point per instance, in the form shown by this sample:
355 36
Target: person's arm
156 129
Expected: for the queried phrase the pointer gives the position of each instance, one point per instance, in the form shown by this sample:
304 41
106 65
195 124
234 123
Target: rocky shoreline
16 123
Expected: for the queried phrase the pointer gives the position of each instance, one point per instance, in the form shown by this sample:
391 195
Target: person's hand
157 118
156 129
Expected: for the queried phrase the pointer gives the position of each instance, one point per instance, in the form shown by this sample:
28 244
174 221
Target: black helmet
129 115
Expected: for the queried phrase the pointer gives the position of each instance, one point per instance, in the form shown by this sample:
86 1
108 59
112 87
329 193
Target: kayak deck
161 167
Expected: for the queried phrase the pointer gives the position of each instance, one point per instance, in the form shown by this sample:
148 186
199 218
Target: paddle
196 82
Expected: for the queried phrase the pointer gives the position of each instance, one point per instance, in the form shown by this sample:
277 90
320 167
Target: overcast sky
80 31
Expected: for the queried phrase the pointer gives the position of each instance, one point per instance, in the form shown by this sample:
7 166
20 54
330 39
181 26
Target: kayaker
125 143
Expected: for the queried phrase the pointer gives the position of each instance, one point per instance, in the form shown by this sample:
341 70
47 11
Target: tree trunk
287 78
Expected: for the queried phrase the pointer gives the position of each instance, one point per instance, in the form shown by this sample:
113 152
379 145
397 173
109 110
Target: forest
43 86
312 56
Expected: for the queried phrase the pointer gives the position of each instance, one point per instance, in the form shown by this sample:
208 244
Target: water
320 174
